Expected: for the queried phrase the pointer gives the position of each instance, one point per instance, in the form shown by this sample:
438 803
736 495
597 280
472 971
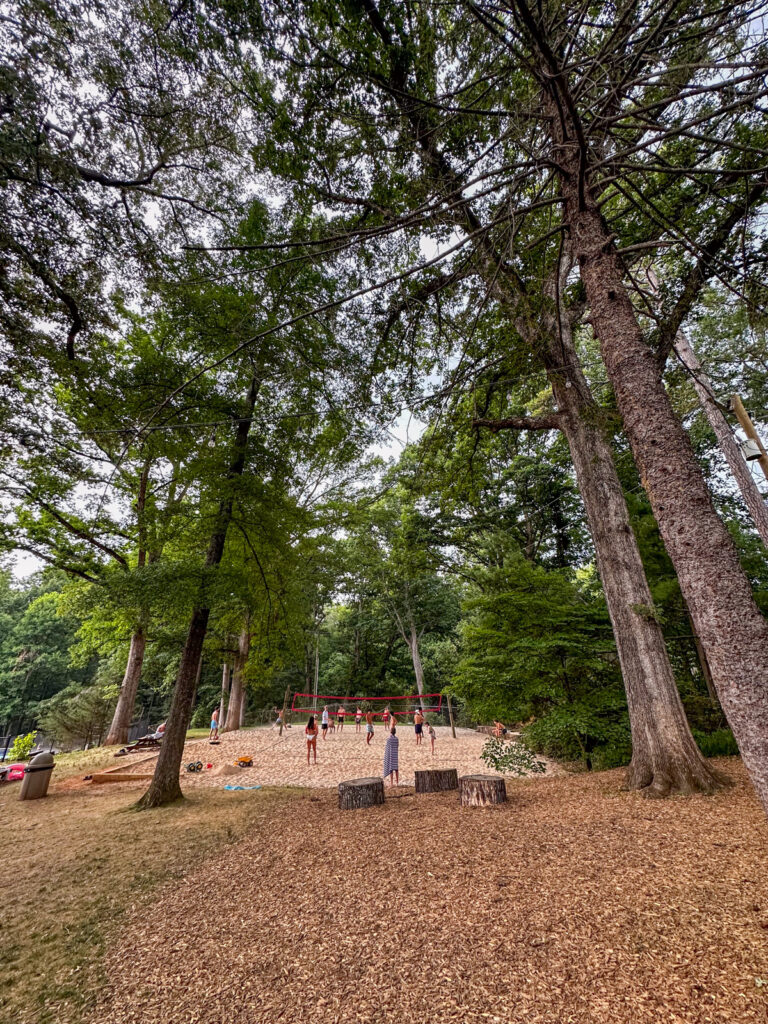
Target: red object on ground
14 772
209 765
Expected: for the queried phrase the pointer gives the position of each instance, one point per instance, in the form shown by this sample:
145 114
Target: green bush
510 758
703 716
22 746
716 744
201 717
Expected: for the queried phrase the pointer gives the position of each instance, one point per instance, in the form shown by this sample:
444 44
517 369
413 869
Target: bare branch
552 421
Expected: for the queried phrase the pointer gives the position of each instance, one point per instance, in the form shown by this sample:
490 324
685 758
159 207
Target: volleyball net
399 707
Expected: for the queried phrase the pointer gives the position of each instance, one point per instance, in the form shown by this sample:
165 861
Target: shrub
202 717
719 743
510 758
22 746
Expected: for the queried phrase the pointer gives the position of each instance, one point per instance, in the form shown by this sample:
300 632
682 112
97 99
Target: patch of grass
84 762
719 743
80 859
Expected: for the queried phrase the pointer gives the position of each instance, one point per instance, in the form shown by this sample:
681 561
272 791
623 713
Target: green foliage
536 647
21 748
510 758
719 743
78 716
471 556
34 648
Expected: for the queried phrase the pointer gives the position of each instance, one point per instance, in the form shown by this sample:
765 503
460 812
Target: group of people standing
391 751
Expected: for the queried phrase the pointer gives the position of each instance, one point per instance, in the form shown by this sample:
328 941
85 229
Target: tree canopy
243 243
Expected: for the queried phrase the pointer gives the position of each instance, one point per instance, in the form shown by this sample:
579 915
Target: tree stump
360 793
481 790
436 780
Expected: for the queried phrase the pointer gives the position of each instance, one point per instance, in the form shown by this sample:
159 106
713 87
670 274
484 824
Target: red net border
353 702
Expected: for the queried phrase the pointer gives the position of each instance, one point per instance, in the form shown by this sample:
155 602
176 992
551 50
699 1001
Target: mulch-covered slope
572 903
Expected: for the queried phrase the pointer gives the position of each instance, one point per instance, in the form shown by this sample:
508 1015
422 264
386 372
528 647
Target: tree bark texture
358 793
126 701
750 492
285 710
436 780
418 668
224 694
481 790
729 624
665 757
165 788
450 716
237 694
121 720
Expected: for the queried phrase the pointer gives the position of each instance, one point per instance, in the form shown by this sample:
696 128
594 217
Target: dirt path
282 760
572 904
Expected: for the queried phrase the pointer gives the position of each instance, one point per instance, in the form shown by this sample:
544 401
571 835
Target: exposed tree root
658 783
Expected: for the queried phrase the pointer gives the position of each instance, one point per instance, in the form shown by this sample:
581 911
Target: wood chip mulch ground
571 904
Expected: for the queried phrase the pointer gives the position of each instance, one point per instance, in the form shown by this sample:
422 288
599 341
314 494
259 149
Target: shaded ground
76 863
572 904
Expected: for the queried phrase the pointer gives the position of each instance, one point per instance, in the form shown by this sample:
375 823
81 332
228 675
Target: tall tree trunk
728 622
285 710
665 757
750 492
237 693
356 646
418 670
224 694
703 664
121 720
308 667
164 787
317 667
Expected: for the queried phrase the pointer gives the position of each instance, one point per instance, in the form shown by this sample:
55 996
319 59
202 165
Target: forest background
226 274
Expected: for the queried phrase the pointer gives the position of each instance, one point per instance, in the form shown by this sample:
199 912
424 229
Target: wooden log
126 772
481 790
436 780
100 777
360 793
